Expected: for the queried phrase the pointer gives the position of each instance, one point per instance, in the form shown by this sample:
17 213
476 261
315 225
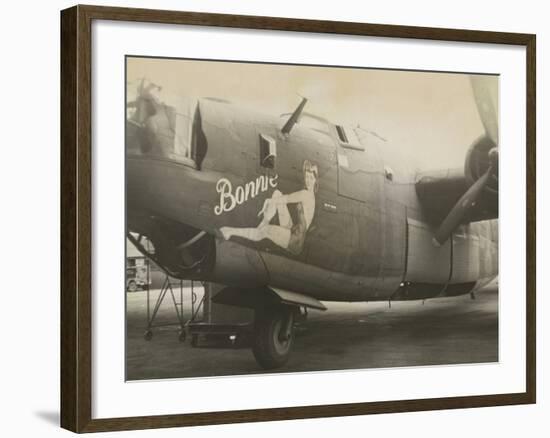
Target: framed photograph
270 218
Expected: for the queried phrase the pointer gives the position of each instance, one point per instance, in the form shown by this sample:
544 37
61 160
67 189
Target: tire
270 349
132 286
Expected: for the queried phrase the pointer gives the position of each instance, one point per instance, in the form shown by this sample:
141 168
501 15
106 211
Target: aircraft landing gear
182 335
273 336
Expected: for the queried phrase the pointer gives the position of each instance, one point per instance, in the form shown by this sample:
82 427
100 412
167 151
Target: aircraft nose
152 137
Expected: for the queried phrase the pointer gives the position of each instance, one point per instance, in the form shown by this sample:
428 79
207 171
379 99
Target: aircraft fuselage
324 211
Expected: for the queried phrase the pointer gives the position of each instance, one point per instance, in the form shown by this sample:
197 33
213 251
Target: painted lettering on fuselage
277 223
230 199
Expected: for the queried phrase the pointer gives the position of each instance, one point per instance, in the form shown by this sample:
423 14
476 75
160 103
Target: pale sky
432 116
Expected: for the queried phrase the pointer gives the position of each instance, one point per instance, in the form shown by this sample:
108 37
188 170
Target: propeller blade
459 211
486 107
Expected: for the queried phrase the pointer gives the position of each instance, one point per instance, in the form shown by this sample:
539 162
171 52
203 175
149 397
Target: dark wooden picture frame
76 217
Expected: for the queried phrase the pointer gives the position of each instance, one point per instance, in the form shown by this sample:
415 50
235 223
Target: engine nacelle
440 191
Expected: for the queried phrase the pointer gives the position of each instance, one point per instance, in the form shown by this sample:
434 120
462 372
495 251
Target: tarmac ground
439 331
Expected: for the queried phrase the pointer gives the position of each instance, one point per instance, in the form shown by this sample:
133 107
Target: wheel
132 286
182 336
148 335
273 336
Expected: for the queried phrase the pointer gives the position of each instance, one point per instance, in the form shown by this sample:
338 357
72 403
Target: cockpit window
190 144
183 132
172 131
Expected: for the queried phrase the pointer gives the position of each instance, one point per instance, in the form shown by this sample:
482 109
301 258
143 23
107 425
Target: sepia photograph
285 218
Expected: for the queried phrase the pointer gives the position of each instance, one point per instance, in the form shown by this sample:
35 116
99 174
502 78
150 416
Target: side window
268 151
348 138
342 134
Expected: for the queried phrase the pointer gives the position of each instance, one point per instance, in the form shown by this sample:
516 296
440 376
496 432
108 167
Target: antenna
294 117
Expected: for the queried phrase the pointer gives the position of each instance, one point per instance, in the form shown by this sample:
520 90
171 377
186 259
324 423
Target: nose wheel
273 336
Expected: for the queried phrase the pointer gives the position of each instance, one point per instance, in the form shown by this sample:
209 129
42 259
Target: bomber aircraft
287 211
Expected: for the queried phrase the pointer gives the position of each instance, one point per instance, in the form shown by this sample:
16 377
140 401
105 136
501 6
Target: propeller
488 115
481 88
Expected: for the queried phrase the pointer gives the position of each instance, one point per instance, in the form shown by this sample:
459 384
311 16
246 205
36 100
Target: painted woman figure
287 235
